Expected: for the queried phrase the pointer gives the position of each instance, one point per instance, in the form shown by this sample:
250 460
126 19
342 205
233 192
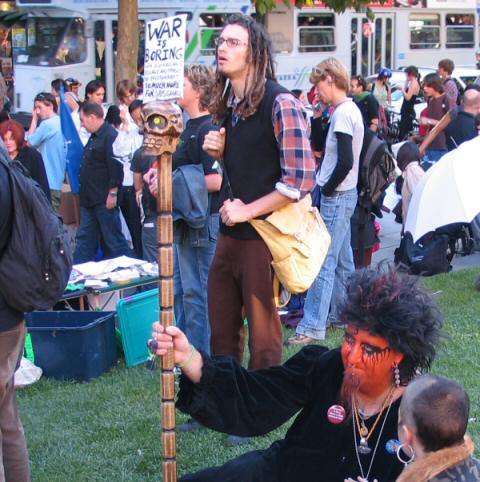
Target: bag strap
223 123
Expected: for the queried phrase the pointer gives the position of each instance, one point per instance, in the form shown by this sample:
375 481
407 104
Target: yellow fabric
298 240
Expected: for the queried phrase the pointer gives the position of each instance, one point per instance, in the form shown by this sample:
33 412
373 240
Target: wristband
112 193
189 359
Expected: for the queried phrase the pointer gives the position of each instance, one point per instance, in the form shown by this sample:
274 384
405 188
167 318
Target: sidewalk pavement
390 240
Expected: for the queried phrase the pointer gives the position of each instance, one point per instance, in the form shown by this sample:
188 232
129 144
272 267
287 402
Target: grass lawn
109 429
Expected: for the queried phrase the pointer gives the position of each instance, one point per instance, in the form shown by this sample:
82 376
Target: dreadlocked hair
260 67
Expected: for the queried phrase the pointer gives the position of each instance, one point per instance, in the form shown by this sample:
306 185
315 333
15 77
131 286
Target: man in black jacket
13 449
100 177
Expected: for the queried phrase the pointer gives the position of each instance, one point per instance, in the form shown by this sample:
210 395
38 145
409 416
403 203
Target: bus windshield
53 41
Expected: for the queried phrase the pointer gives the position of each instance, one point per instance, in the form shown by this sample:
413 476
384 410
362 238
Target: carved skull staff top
162 123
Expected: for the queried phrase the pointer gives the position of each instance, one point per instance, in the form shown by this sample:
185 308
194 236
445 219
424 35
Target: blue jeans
431 157
149 241
191 267
328 289
95 222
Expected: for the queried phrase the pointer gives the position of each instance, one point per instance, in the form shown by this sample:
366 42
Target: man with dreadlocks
347 399
264 149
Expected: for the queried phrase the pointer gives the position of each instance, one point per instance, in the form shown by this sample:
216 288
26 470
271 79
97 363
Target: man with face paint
347 399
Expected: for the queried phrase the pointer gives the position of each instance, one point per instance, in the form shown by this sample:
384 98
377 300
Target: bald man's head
437 410
471 101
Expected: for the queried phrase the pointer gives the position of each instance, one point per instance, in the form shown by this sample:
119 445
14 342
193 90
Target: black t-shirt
141 163
190 151
369 107
461 129
32 160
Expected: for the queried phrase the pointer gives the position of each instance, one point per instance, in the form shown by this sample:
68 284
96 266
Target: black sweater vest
252 158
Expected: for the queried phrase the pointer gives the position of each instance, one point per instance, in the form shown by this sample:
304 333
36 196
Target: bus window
460 30
210 26
53 41
316 32
424 31
100 50
184 12
279 23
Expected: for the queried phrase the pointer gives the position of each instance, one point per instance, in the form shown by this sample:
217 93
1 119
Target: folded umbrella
448 193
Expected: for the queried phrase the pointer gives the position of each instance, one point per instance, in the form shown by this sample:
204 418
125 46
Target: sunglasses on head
45 98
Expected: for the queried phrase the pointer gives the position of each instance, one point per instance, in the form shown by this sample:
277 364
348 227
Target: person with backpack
14 464
453 91
337 181
366 102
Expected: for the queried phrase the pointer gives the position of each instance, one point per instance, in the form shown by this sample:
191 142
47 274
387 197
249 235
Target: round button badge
336 414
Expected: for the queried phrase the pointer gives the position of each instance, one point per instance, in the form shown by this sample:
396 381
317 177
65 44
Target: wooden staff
440 126
162 128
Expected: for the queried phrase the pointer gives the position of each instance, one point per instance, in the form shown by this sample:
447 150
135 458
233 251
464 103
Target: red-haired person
13 136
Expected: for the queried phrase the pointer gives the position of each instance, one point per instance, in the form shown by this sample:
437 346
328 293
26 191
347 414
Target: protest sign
164 58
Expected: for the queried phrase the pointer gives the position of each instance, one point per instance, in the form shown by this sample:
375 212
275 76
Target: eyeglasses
231 42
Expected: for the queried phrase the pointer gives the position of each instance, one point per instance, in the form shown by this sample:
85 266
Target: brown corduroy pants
241 278
14 465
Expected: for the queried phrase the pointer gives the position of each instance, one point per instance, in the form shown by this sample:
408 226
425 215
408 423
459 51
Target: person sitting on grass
432 425
347 399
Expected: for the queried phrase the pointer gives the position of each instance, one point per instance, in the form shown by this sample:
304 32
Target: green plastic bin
136 314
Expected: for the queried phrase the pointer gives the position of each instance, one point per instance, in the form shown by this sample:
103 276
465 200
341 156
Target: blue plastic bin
73 345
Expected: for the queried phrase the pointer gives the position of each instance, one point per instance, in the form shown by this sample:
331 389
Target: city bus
77 38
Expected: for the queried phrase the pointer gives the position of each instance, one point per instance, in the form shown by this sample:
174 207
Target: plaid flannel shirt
290 127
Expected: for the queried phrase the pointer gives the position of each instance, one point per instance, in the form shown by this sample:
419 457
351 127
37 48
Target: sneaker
234 440
298 339
190 426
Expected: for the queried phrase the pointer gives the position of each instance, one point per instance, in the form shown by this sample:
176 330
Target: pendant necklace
363 445
357 447
363 431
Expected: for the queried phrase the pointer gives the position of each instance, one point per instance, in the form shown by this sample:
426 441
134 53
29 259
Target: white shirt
346 119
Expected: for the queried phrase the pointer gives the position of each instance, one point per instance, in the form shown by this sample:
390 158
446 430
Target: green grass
110 429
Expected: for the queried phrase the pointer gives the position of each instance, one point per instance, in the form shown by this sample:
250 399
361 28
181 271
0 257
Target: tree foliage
339 6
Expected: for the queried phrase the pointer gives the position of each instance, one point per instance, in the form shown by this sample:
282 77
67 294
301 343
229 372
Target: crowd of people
251 147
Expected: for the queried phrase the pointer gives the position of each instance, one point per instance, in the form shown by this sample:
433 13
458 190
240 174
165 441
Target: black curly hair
388 302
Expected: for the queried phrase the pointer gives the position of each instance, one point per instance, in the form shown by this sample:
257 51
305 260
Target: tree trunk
127 43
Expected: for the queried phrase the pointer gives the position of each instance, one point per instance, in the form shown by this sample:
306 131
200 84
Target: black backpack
427 257
36 262
376 172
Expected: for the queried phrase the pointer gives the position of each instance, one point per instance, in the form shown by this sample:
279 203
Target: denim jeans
149 241
192 264
328 289
431 157
95 222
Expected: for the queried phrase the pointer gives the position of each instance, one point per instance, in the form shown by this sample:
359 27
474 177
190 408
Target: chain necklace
365 434
357 451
